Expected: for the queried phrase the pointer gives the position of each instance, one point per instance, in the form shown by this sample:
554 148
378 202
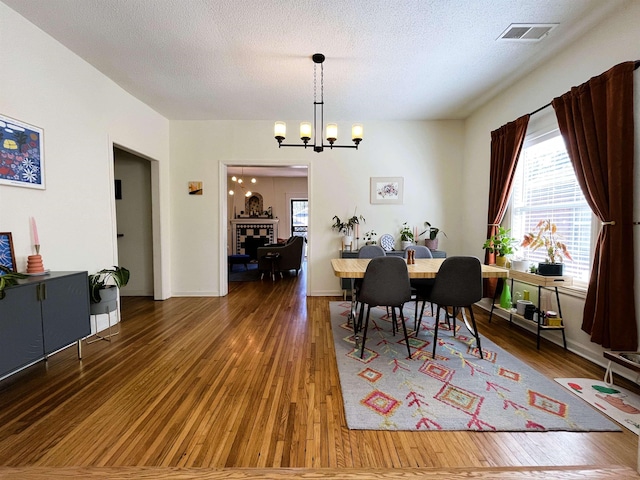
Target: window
299 217
545 186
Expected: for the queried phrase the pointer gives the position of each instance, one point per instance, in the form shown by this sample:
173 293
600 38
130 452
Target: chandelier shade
309 131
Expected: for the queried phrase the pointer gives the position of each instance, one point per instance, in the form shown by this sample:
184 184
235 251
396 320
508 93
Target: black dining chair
457 285
386 283
368 251
420 287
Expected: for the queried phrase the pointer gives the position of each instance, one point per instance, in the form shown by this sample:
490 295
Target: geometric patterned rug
385 390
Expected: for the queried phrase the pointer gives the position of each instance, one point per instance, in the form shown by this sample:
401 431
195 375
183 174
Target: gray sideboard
345 283
41 315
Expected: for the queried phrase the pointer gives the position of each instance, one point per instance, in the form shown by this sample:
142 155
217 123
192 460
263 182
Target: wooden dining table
423 268
353 268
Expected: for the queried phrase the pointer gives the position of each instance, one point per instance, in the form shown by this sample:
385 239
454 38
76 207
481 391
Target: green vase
505 298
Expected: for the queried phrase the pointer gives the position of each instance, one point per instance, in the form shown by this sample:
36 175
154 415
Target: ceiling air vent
526 32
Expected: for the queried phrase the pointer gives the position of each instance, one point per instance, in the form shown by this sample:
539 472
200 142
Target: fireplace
251 245
250 233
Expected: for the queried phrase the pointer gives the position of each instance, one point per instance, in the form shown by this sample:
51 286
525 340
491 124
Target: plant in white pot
346 227
431 241
546 236
406 236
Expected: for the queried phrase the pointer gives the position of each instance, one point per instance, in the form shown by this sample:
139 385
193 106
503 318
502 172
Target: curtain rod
636 65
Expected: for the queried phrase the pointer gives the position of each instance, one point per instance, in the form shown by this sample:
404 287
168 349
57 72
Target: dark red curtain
596 121
506 145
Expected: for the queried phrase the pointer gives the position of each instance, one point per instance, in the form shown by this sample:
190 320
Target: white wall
82 113
614 41
427 154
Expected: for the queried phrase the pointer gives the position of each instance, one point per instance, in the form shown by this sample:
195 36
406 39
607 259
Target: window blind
545 187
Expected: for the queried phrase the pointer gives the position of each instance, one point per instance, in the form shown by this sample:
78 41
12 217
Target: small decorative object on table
34 262
387 242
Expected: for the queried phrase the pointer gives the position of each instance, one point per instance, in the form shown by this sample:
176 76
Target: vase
405 243
431 244
347 241
505 298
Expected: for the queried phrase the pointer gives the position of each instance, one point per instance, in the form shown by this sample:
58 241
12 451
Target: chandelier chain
322 82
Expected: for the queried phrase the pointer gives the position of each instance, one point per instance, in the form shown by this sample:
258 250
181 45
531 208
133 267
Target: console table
41 315
345 283
542 282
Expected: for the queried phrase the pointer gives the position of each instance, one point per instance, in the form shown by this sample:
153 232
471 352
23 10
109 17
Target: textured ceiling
251 59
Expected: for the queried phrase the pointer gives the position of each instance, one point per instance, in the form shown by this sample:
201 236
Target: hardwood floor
250 381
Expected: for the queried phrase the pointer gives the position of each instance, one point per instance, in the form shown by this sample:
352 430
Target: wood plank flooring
248 384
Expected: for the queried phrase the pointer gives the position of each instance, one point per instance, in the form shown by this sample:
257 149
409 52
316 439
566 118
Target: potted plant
502 244
369 238
103 288
406 236
346 227
546 236
431 242
8 278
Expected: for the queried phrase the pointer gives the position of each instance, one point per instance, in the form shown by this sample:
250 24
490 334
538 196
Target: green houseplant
406 235
432 236
106 280
546 236
370 237
8 278
502 244
346 227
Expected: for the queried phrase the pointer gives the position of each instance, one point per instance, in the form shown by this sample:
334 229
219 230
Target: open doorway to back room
259 210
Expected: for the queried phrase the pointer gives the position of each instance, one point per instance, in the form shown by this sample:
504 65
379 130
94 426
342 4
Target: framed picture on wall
195 188
7 257
387 190
21 154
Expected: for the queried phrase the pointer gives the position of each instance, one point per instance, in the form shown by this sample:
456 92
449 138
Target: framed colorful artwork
21 154
387 190
7 257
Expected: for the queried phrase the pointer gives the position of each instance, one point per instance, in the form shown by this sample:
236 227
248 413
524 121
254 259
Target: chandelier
306 130
240 182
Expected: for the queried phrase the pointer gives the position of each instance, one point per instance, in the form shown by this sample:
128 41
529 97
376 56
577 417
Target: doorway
133 209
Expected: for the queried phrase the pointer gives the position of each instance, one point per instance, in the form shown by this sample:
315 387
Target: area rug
385 390
616 402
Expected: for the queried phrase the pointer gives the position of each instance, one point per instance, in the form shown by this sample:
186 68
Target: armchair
290 255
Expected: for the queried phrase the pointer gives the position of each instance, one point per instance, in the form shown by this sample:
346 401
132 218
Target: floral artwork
386 190
21 155
7 257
